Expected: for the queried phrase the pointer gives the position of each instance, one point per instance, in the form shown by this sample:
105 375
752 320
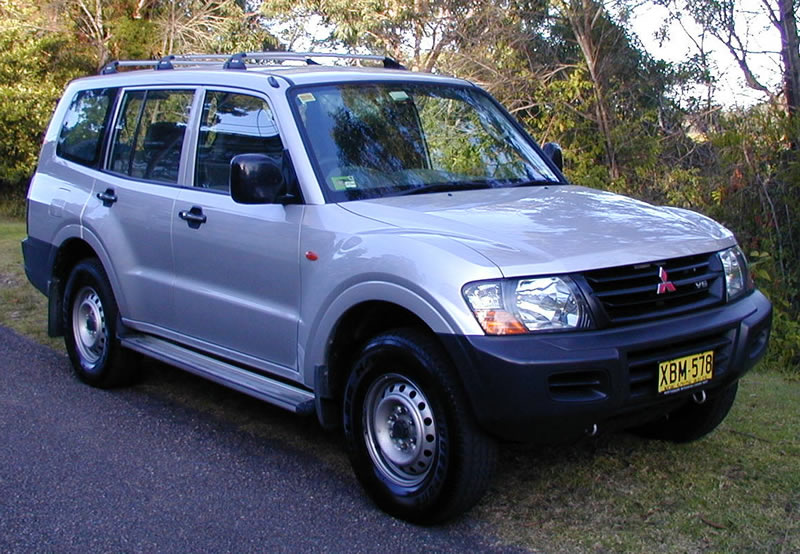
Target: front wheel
90 328
413 444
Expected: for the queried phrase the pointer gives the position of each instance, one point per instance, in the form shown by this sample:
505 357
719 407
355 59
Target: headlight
515 306
737 280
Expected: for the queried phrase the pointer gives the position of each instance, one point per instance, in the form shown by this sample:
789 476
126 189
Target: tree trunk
790 54
91 23
583 16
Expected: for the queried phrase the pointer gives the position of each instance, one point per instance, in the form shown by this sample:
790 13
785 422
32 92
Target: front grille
643 364
633 293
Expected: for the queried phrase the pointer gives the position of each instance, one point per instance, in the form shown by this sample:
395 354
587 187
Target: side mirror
263 179
553 151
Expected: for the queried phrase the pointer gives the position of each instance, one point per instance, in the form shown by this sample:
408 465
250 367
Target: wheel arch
352 328
99 251
71 250
69 253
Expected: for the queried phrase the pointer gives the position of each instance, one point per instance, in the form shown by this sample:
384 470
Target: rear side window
81 136
232 124
148 138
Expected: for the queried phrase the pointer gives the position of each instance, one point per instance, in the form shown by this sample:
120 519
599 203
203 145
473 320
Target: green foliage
24 112
134 39
784 350
12 202
243 34
558 115
744 174
43 47
34 65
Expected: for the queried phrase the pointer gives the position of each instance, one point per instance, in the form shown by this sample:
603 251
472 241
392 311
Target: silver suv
385 249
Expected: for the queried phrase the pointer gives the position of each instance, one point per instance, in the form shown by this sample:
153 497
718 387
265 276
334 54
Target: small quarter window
81 136
148 138
232 124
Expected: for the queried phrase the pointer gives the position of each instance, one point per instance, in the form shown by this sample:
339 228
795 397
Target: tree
36 58
784 18
598 39
729 23
187 25
89 18
43 46
556 60
155 28
418 32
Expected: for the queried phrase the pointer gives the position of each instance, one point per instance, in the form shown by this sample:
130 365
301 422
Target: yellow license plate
680 373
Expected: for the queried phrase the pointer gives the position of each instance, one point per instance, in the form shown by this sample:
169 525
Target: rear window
81 136
149 134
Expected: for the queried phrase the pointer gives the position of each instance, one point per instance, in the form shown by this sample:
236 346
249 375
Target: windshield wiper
445 187
535 183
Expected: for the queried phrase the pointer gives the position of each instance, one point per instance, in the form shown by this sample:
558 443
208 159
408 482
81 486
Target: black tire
691 421
90 329
412 441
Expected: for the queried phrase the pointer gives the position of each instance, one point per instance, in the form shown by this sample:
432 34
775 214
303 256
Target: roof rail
240 61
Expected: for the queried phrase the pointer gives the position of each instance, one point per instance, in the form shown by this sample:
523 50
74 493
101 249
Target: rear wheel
692 421
412 442
90 328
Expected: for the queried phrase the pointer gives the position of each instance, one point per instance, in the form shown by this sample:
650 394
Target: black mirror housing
553 151
263 179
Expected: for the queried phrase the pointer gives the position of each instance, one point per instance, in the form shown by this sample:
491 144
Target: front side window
232 124
148 138
387 139
82 132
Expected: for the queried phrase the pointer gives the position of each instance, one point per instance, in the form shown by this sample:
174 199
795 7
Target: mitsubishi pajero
387 250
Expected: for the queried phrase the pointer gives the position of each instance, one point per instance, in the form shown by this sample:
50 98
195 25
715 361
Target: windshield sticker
306 97
344 182
398 95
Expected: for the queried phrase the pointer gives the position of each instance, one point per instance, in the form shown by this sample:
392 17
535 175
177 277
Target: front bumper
554 387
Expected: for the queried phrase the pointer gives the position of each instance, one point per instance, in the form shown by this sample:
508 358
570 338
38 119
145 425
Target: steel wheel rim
89 325
400 430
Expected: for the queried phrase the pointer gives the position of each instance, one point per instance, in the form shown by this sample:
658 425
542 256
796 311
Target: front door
237 274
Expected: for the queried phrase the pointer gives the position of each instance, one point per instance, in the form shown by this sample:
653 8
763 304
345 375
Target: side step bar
291 398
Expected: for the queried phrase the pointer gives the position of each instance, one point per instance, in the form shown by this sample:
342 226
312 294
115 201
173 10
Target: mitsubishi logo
665 285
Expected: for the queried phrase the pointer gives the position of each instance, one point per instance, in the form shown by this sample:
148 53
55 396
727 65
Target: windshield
389 139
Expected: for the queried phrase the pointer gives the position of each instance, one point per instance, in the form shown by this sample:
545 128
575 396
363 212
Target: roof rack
240 61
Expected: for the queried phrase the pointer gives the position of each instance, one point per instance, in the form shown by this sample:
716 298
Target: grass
22 307
737 490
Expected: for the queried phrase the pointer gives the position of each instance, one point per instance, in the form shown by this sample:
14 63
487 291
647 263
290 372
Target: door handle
108 197
194 217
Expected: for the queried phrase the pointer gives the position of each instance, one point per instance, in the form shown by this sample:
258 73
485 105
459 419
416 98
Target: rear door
236 266
132 205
